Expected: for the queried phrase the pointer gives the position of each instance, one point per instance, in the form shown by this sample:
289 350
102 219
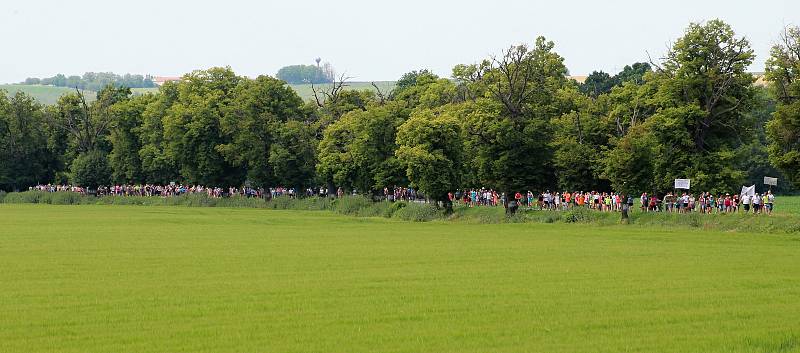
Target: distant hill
50 94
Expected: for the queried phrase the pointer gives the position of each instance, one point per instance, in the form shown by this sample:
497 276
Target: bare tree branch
379 93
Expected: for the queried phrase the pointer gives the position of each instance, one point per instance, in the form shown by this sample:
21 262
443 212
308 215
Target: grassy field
44 94
164 279
788 205
305 92
50 94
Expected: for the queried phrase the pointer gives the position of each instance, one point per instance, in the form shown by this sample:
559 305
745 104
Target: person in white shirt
756 204
746 203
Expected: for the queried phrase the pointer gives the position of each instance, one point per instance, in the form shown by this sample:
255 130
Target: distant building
161 80
761 81
579 79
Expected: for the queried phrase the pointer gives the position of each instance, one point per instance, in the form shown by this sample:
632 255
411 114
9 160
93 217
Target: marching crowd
705 203
604 201
166 190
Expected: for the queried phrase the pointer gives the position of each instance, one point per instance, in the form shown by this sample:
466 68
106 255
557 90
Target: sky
367 40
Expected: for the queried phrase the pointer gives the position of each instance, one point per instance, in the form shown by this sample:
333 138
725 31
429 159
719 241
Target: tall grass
360 206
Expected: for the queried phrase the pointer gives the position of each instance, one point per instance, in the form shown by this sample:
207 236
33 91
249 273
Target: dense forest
511 122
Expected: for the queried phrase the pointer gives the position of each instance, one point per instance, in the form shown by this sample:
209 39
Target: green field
165 279
44 94
305 92
50 94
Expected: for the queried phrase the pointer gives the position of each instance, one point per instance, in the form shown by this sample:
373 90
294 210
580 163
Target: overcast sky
369 40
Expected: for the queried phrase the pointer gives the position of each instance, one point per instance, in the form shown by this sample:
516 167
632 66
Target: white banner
748 190
770 181
683 184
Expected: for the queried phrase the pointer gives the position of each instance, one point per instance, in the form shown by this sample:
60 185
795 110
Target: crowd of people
705 203
166 190
402 194
601 201
58 188
173 189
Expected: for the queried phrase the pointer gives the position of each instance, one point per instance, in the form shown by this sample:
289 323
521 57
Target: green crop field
95 278
44 94
305 92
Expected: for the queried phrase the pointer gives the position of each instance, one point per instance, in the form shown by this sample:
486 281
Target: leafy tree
25 159
632 73
58 80
600 82
701 95
413 78
709 94
426 89
631 104
292 155
158 165
57 142
90 169
579 137
297 74
124 159
88 125
430 149
707 69
629 165
95 81
597 83
783 74
258 110
754 156
513 98
75 81
337 101
192 128
358 150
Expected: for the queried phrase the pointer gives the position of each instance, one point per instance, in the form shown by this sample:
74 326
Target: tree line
510 122
300 74
93 81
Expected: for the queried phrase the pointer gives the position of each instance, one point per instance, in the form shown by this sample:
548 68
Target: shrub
315 203
398 205
281 203
24 197
484 215
65 198
351 205
240 202
578 215
377 209
418 212
53 198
